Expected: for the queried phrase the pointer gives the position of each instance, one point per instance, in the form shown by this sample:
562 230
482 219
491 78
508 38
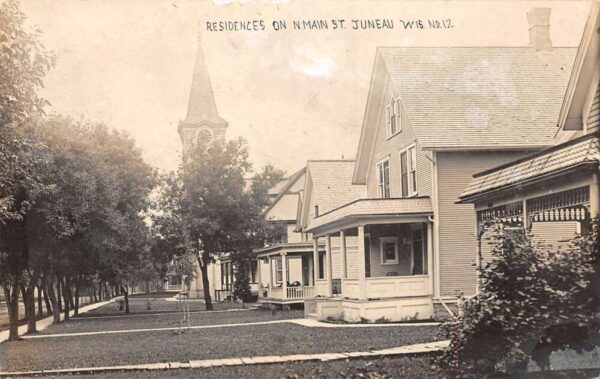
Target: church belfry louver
202 120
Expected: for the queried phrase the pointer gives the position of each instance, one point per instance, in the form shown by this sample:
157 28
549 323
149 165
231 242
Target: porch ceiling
290 248
365 210
567 156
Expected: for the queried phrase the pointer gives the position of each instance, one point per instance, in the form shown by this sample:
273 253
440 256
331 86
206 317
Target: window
394 117
408 172
279 271
317 210
321 265
389 250
419 261
383 170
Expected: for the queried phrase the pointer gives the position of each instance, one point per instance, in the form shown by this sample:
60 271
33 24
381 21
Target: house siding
457 222
391 148
593 120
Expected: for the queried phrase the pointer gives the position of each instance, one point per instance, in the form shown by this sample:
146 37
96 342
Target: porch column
329 275
595 195
430 255
315 260
284 274
362 278
270 275
343 254
258 273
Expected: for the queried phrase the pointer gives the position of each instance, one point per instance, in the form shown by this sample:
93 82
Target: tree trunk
24 297
205 285
65 293
126 295
30 307
39 300
53 299
94 294
148 287
12 302
59 289
46 299
77 301
100 291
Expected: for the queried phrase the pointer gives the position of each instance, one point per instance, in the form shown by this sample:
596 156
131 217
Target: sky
293 94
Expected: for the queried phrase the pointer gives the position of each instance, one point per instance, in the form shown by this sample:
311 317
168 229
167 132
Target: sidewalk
422 348
45 322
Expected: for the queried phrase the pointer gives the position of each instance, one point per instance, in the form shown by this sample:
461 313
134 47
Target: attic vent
316 210
539 28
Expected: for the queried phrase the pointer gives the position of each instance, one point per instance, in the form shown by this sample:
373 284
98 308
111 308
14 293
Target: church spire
202 110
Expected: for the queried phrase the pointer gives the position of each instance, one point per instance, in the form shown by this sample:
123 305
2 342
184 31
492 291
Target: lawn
227 342
418 366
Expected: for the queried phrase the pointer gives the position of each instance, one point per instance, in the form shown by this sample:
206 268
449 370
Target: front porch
380 249
286 273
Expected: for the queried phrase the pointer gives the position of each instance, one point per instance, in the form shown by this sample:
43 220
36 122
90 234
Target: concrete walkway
421 348
302 322
45 322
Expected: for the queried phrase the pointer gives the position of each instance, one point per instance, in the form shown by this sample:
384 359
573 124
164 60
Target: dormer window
394 117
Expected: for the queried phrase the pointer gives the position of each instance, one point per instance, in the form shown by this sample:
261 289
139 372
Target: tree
534 299
23 64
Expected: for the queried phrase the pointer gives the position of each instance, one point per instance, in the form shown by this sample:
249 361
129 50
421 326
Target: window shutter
388 118
398 115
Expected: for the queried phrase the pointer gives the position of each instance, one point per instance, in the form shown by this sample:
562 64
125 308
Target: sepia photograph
300 189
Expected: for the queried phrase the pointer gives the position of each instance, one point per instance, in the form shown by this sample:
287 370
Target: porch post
595 195
362 279
343 254
329 274
315 260
430 255
258 273
284 274
270 275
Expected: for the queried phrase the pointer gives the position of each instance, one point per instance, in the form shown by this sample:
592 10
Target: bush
532 296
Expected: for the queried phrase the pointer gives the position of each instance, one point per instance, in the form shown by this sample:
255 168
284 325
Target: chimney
539 28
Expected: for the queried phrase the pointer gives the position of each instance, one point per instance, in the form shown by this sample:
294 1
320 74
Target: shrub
532 296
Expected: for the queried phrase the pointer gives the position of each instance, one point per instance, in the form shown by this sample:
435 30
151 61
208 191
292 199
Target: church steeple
202 120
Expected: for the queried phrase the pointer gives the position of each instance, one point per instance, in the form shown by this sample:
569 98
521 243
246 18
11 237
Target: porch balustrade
174 287
292 293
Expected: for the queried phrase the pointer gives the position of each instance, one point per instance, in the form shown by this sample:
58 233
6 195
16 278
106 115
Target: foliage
532 295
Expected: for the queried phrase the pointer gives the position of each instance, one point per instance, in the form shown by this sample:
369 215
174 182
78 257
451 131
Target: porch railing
174 287
301 292
293 293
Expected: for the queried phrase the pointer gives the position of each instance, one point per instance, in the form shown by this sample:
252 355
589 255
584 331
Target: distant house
287 268
555 192
434 117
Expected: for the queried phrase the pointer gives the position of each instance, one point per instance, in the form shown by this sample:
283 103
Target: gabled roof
571 155
463 98
329 185
582 75
284 207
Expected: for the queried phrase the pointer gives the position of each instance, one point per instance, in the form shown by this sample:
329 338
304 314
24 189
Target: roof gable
284 206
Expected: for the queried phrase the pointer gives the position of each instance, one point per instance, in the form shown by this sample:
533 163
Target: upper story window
394 117
383 178
408 172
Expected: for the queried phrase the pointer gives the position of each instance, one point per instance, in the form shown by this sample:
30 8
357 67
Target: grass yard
395 367
150 346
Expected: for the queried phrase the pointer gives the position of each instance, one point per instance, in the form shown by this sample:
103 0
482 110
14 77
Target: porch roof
365 209
566 156
295 247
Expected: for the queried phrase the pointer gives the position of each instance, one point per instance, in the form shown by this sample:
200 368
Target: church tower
202 120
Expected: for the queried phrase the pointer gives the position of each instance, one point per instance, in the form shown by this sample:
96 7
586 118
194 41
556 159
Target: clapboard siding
554 233
593 120
351 257
391 148
457 222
